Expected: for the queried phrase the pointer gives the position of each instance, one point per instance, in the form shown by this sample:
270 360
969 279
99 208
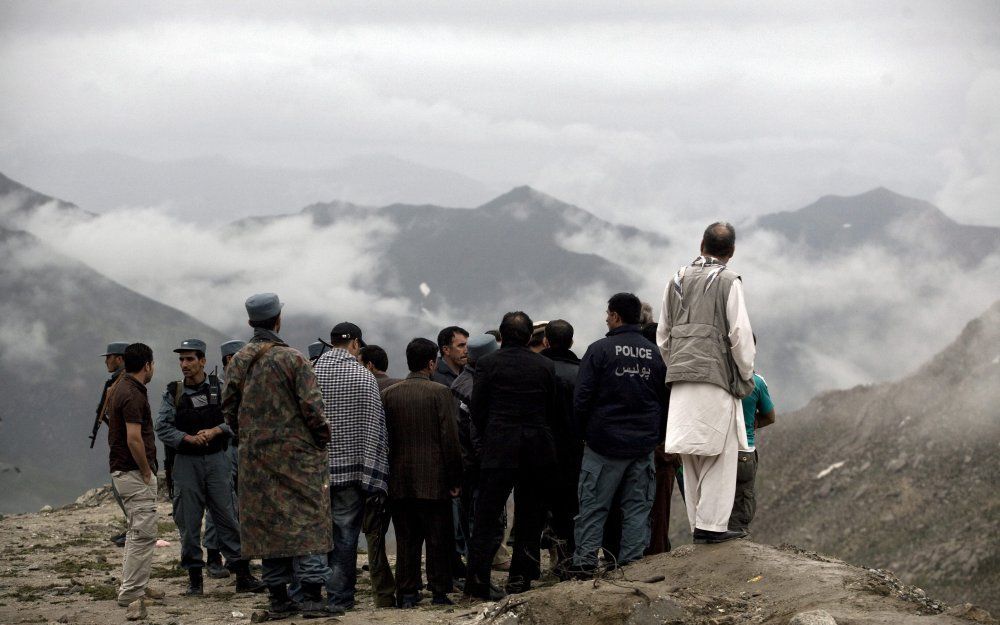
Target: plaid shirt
358 450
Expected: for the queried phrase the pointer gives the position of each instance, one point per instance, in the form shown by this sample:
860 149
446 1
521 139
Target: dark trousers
530 488
659 517
375 524
745 502
205 483
348 503
564 505
418 521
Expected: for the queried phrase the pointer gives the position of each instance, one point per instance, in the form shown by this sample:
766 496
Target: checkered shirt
359 449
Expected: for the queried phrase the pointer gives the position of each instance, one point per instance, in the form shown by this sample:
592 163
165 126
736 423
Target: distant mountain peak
523 195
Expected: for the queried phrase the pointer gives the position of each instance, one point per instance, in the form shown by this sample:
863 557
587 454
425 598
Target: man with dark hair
537 341
426 472
513 406
132 458
377 514
190 422
453 342
620 407
564 506
376 360
115 364
359 456
705 337
284 506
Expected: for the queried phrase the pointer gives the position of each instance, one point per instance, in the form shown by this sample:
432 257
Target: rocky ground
59 567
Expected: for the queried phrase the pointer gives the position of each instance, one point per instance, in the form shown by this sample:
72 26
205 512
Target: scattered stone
259 616
34 567
971 613
136 611
101 559
813 617
46 508
237 614
63 619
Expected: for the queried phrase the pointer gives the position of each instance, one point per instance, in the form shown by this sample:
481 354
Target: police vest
199 411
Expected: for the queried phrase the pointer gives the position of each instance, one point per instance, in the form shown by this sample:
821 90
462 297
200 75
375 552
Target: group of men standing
332 446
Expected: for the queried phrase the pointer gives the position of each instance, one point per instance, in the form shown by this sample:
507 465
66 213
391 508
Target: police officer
114 361
215 567
316 350
190 421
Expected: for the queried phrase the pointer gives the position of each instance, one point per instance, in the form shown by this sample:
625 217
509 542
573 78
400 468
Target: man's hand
206 436
147 477
455 492
197 439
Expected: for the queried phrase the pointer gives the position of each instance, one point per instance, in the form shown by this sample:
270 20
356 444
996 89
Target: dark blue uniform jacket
620 403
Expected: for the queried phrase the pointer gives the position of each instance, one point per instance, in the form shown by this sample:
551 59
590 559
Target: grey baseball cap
482 345
192 345
116 348
317 349
263 306
231 347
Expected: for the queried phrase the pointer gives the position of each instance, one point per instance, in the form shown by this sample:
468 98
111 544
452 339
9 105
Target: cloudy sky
640 112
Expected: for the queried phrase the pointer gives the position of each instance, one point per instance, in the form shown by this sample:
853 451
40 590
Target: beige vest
700 350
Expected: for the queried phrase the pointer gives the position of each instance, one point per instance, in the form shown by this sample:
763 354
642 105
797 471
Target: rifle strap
101 416
260 354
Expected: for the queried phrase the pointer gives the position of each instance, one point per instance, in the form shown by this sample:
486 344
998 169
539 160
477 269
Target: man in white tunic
705 337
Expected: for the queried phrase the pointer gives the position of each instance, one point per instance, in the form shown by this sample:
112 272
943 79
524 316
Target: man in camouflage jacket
275 408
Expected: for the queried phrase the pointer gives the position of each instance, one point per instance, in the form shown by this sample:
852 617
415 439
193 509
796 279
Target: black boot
312 602
196 583
245 582
706 537
281 605
215 568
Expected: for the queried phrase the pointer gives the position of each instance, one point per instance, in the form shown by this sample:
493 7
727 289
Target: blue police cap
116 349
231 347
317 349
263 306
482 345
192 345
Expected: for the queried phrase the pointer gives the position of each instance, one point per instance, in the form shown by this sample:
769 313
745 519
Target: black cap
346 331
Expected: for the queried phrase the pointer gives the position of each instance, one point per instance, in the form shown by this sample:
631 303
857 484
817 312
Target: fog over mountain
900 475
214 189
828 314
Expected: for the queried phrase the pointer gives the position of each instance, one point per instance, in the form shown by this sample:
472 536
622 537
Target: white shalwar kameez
705 423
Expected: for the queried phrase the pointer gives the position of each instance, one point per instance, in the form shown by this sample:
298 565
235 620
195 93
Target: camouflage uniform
276 411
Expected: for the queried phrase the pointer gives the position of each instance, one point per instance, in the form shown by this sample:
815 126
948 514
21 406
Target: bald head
719 240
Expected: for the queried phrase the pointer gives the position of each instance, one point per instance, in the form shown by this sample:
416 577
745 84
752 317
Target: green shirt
758 400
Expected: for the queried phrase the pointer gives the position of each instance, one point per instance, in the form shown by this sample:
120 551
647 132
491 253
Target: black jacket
621 397
513 406
569 443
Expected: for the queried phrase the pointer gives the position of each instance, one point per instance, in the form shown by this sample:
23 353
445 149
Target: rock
34 567
813 617
259 616
63 619
46 508
971 613
238 614
136 610
101 559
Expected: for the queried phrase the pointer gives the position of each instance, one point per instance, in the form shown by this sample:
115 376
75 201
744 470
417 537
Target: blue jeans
308 569
600 478
348 503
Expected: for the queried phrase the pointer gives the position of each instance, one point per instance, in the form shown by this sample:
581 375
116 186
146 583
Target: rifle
101 412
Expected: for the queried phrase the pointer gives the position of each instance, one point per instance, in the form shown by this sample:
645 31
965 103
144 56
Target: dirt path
60 567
